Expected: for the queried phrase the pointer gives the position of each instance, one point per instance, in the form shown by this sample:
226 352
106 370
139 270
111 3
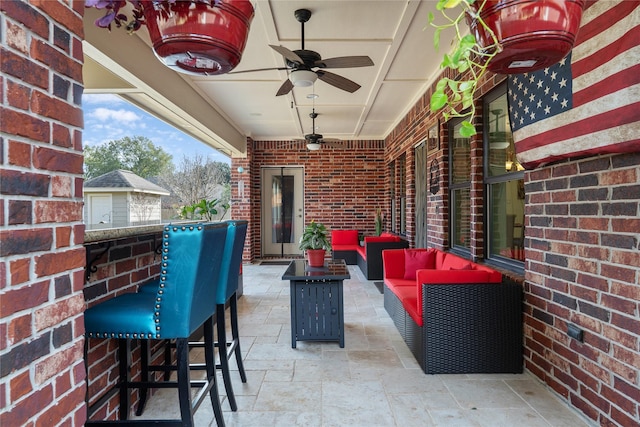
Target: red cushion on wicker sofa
453 262
344 237
416 259
414 309
407 297
394 274
387 238
393 261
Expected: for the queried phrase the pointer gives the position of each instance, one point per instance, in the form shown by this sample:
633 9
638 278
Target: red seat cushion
414 308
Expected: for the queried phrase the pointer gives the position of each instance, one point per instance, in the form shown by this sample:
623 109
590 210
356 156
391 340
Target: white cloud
101 99
106 114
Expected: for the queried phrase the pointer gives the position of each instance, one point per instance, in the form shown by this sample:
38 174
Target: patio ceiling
223 110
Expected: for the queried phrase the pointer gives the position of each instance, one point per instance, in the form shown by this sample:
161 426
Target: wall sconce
434 177
240 169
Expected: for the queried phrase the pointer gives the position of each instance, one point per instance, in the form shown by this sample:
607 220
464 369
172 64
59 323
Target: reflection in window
505 183
402 182
460 189
282 209
461 230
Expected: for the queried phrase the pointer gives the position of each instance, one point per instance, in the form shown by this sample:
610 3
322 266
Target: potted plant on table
506 36
191 36
315 241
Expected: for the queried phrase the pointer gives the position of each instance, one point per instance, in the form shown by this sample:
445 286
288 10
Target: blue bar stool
227 293
192 257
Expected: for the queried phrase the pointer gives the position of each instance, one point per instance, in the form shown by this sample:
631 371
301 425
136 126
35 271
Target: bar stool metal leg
235 335
224 357
184 382
144 376
124 357
210 362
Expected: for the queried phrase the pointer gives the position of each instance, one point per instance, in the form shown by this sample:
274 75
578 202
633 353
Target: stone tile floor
373 381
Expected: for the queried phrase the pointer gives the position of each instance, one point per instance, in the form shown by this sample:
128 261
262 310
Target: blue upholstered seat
192 259
226 293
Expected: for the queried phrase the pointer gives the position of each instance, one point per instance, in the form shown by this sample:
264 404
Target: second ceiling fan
313 139
306 66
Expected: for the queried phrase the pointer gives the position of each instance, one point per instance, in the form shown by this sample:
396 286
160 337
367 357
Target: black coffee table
316 301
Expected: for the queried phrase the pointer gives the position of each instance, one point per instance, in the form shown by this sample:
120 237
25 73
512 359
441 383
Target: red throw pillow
466 266
416 259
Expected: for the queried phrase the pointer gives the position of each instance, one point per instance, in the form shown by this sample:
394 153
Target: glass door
282 211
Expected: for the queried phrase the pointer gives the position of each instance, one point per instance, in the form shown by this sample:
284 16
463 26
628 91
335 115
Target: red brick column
41 231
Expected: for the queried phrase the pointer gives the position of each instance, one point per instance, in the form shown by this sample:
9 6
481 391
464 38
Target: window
392 178
402 202
398 178
459 189
504 181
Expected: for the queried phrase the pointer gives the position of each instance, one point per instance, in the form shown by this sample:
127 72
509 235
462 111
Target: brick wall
241 203
42 257
343 185
120 266
582 268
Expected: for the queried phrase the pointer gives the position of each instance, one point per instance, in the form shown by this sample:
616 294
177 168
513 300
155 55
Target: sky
108 117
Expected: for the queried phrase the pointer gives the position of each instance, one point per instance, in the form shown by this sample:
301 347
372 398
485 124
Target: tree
138 155
197 179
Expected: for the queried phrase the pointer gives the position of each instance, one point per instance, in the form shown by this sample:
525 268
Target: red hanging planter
196 37
534 34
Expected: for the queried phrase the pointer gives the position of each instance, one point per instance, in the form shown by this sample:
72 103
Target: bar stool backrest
236 234
191 260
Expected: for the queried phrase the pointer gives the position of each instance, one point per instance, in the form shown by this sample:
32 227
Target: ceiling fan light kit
313 146
303 78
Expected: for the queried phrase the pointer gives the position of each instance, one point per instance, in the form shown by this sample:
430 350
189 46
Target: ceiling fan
301 64
315 140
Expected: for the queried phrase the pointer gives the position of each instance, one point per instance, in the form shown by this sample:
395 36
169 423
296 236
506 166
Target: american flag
588 103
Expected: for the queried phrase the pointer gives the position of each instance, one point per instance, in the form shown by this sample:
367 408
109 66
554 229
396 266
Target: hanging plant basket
199 37
534 34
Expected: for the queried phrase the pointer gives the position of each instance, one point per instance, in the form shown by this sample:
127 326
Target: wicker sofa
369 256
456 316
344 245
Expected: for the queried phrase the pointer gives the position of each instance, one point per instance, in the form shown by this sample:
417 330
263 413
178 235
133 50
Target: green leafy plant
378 221
315 236
468 58
134 22
204 210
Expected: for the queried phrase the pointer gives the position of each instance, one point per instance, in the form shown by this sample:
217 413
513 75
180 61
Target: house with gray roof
120 199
